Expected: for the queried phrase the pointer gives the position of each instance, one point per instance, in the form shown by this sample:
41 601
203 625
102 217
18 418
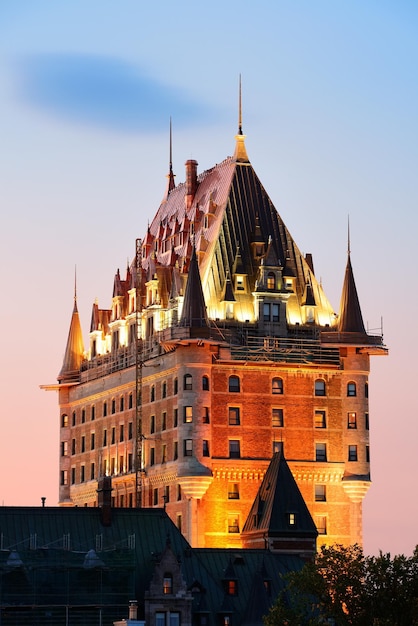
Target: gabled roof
277 497
74 350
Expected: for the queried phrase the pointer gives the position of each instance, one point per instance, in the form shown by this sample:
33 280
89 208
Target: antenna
240 108
348 235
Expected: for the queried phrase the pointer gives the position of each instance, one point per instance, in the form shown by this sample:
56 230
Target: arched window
351 389
234 384
152 394
277 385
271 281
167 584
320 389
205 383
164 390
188 382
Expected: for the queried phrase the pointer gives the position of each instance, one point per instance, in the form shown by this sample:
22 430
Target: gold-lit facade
220 348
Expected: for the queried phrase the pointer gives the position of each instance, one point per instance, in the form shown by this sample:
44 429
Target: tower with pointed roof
240 355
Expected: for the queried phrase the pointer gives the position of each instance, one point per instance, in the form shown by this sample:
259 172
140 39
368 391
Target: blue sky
329 102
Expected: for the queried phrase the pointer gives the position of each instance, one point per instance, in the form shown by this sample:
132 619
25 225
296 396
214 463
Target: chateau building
220 348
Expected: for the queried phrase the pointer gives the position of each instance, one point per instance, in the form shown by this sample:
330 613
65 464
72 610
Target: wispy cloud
104 92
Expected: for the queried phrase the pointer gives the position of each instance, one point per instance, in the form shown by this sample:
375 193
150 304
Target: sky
330 100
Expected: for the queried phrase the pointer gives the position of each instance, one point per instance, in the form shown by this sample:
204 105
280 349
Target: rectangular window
122 432
83 444
130 401
175 418
320 452
234 416
130 462
178 493
164 453
121 464
366 421
352 453
83 416
113 406
104 409
73 448
233 491
152 456
64 448
320 389
122 404
321 524
233 523
367 454
179 521
174 618
277 418
82 474
320 419
92 471
266 312
166 494
155 496
93 413
164 421
176 451
130 430
92 441
73 475
152 424
104 438
275 312
234 449
188 447
113 435
188 414
351 420
205 447
320 493
206 415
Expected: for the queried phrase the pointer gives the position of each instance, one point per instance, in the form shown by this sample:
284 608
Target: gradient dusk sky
330 103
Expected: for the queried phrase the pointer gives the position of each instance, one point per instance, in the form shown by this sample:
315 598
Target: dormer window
292 519
239 283
231 587
167 584
271 281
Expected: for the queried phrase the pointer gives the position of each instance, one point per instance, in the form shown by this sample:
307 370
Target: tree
345 588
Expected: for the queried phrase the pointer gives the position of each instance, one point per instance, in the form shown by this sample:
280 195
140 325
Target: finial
170 175
348 236
240 108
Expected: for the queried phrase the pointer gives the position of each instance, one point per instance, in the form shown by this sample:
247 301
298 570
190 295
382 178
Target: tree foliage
343 587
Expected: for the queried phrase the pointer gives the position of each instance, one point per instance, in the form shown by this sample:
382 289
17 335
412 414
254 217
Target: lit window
320 452
234 449
231 587
64 448
320 387
271 281
233 416
277 418
320 419
167 584
233 524
64 420
292 519
352 453
277 385
351 389
352 420
188 414
320 493
234 384
233 491
239 283
188 382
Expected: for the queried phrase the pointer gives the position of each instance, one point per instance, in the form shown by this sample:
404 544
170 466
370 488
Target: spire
171 184
240 150
350 317
194 312
75 347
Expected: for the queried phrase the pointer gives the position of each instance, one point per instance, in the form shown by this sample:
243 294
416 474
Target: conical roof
194 313
350 317
74 351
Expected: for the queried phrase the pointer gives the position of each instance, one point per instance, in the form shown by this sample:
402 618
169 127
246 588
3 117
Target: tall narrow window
320 419
352 453
92 441
233 491
367 454
121 432
320 389
113 406
351 389
277 418
277 386
320 452
176 451
271 281
175 418
205 447
188 382
64 448
205 383
277 447
130 430
233 523
64 420
352 420
130 401
234 384
104 409
93 413
320 493
206 415
234 449
164 421
121 404
234 416
366 421
164 390
152 456
175 386
321 524
167 584
188 447
152 394
152 424
188 414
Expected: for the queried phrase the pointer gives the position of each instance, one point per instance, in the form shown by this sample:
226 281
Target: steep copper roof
350 317
74 351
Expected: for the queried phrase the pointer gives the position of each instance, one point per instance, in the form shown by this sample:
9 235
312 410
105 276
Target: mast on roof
240 155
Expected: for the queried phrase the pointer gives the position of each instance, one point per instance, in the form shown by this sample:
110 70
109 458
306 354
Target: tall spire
240 150
194 312
350 317
171 184
74 350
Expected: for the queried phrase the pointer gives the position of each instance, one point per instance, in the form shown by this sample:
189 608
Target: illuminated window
352 420
352 453
167 584
292 519
239 283
234 449
188 382
233 416
188 447
233 523
64 420
205 383
277 386
320 389
234 384
188 414
321 524
271 281
277 418
351 389
320 419
320 452
205 447
231 587
64 448
320 493
233 491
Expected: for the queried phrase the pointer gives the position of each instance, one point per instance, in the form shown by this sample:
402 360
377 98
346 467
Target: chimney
104 499
191 181
133 609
